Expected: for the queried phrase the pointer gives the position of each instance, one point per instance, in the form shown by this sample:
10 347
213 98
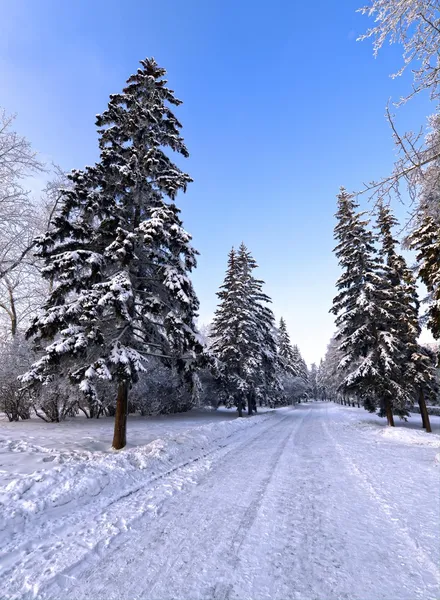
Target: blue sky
281 107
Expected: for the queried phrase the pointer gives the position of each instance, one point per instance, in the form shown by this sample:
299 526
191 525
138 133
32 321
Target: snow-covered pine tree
226 333
285 350
365 317
322 392
293 386
330 375
313 381
419 370
299 364
117 255
300 374
243 334
425 240
263 367
422 372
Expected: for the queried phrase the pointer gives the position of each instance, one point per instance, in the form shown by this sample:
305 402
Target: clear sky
281 107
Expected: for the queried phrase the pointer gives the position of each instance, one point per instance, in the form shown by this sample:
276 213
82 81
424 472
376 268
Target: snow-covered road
307 505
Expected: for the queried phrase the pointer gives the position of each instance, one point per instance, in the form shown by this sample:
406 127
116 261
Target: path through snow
307 505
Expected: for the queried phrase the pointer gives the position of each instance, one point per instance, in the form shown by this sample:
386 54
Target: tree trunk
389 412
240 404
249 403
424 412
13 310
120 433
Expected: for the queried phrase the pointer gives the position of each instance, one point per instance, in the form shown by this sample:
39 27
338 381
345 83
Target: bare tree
417 165
18 223
415 24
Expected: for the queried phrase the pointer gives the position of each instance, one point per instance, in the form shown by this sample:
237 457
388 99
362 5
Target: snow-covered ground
33 445
321 502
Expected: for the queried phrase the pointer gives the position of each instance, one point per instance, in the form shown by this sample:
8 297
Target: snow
33 445
319 502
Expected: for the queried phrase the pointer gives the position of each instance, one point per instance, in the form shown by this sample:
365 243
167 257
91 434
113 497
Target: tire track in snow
230 547
193 534
423 559
80 548
302 556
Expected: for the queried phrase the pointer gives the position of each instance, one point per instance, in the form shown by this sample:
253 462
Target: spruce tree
243 334
418 369
285 350
425 240
365 316
330 375
229 334
313 381
299 364
117 256
286 365
263 368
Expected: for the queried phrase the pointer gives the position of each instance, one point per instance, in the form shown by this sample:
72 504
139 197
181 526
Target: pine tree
418 370
313 381
425 240
299 364
285 350
292 387
227 333
365 316
330 375
117 255
243 334
266 375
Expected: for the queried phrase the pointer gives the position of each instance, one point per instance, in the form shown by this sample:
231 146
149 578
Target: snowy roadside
33 445
33 504
407 432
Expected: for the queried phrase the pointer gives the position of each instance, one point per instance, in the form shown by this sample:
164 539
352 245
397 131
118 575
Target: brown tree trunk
389 412
424 412
240 404
240 408
120 433
13 317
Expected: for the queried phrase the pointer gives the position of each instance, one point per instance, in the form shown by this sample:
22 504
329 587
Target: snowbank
410 436
86 475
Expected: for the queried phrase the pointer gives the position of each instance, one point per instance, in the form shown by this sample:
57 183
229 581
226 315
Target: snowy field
33 445
320 502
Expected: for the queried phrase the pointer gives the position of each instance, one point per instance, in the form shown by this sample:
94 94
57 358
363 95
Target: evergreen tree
293 386
117 256
418 369
425 240
365 316
322 391
299 364
229 334
330 375
313 381
243 334
300 373
285 350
